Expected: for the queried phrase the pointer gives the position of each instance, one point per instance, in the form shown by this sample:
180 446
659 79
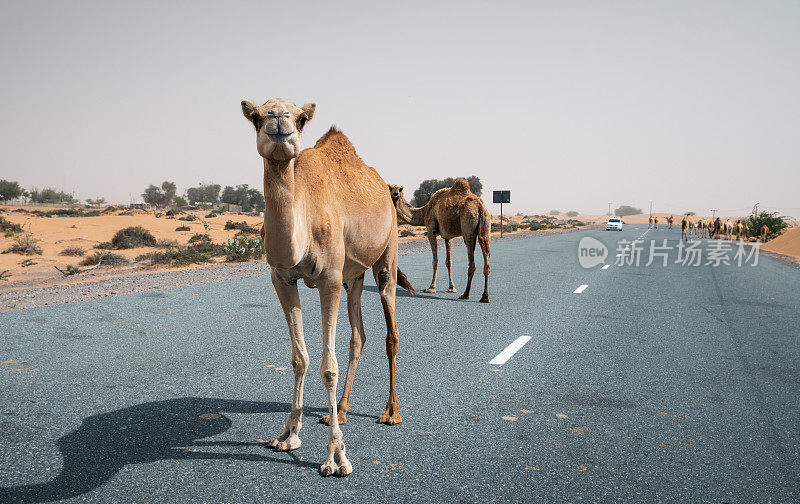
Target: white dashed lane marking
606 266
580 289
510 350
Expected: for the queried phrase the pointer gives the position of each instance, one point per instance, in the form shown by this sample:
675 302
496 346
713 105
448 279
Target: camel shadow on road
148 432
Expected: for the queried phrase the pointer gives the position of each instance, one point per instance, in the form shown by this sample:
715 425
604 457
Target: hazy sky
571 105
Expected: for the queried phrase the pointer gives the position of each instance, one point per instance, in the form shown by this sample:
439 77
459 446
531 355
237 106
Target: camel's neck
284 215
409 214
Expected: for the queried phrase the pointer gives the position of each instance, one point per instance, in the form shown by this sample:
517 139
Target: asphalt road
653 384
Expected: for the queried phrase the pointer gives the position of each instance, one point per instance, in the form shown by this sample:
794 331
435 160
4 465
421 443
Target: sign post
501 197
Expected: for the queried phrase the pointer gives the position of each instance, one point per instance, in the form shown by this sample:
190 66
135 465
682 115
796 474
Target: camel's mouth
280 138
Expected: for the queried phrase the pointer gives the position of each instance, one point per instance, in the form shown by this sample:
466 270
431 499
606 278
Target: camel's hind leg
357 340
470 242
385 272
435 252
449 263
486 268
290 302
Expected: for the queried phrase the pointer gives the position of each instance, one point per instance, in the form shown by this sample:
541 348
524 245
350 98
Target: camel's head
278 126
396 191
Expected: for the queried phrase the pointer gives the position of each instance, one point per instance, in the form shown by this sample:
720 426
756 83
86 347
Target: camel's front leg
448 263
357 339
435 252
329 291
290 302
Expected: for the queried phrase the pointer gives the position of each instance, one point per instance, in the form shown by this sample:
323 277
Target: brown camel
327 220
650 222
764 233
669 222
655 222
687 224
739 229
451 212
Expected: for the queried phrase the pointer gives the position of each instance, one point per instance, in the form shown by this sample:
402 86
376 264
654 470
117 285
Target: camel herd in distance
714 229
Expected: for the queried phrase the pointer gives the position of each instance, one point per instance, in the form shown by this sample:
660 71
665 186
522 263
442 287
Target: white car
614 224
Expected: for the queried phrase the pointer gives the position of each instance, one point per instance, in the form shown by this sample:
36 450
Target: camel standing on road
764 233
739 228
717 229
451 212
669 222
655 222
328 219
650 222
687 224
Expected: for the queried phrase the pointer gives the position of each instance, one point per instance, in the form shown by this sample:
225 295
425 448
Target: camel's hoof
388 419
484 300
283 446
344 469
430 290
463 296
327 469
327 418
451 289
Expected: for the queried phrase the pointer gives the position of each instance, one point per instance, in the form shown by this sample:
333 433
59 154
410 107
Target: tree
160 196
430 186
96 202
242 195
555 212
206 193
572 213
10 190
627 210
50 195
180 201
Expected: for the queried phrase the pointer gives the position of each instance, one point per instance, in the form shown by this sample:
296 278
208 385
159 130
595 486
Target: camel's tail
484 228
402 281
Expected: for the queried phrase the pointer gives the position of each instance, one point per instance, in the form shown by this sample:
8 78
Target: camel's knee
329 377
300 363
471 269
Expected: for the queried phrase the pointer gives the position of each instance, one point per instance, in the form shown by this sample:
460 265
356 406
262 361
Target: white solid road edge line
510 350
606 266
580 289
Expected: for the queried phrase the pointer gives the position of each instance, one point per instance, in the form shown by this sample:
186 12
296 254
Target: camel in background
655 222
451 212
650 222
764 233
687 224
327 219
669 222
717 228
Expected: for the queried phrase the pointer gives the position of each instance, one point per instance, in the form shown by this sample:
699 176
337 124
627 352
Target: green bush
24 244
242 248
183 228
774 222
73 251
9 228
572 213
182 256
210 215
4 275
133 237
507 227
243 226
109 259
188 218
200 237
104 246
167 243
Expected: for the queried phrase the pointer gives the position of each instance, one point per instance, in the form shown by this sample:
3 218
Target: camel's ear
308 113
309 109
252 113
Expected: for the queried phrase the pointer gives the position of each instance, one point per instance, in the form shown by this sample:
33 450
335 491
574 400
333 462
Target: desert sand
787 244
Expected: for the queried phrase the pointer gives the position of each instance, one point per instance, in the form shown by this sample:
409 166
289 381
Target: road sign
501 196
